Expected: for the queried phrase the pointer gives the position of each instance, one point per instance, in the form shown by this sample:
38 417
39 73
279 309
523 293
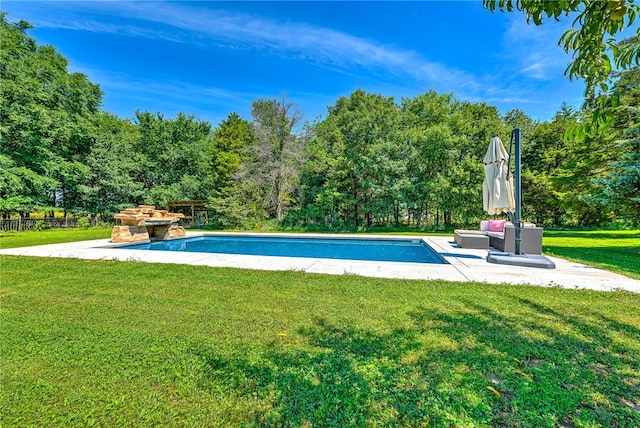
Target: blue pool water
390 250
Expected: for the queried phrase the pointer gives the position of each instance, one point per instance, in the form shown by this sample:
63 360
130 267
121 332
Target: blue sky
213 58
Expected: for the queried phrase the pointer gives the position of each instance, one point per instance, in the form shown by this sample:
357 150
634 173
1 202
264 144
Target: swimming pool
379 249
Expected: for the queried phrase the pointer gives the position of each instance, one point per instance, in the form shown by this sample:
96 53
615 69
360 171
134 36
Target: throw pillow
496 225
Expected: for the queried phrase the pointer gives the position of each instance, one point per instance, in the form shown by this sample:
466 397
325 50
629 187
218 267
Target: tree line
371 161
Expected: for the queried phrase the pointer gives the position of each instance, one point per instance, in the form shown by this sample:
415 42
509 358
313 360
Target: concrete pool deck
464 264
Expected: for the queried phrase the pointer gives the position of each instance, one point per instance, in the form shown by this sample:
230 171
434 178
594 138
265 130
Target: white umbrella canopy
497 189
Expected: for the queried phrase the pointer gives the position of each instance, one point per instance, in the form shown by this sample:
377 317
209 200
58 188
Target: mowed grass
615 250
132 344
13 239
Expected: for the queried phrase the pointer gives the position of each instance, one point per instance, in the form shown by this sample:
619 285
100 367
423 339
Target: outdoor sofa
501 235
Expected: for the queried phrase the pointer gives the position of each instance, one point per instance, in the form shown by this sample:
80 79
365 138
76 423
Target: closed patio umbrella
497 193
500 195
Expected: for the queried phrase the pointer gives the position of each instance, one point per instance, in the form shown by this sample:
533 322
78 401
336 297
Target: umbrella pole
518 259
517 222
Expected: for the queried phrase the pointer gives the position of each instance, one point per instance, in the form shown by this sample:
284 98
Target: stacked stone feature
140 224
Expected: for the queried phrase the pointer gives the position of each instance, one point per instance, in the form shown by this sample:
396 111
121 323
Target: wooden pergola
192 206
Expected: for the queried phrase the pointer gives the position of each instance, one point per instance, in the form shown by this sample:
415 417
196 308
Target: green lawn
112 343
615 250
132 344
14 239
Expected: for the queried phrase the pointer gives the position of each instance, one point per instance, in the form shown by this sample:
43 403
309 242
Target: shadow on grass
554 369
548 368
350 378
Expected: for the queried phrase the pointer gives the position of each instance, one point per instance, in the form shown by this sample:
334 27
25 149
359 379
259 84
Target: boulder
130 219
169 231
135 234
147 209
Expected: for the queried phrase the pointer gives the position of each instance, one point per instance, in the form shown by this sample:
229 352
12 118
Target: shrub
83 222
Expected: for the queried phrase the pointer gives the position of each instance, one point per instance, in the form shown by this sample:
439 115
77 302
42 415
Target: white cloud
323 46
534 50
528 58
533 57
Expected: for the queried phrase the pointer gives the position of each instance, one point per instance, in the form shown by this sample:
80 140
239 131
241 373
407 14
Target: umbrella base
526 260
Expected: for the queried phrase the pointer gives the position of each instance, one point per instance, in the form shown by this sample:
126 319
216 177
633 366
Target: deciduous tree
176 157
115 167
47 115
596 51
277 154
